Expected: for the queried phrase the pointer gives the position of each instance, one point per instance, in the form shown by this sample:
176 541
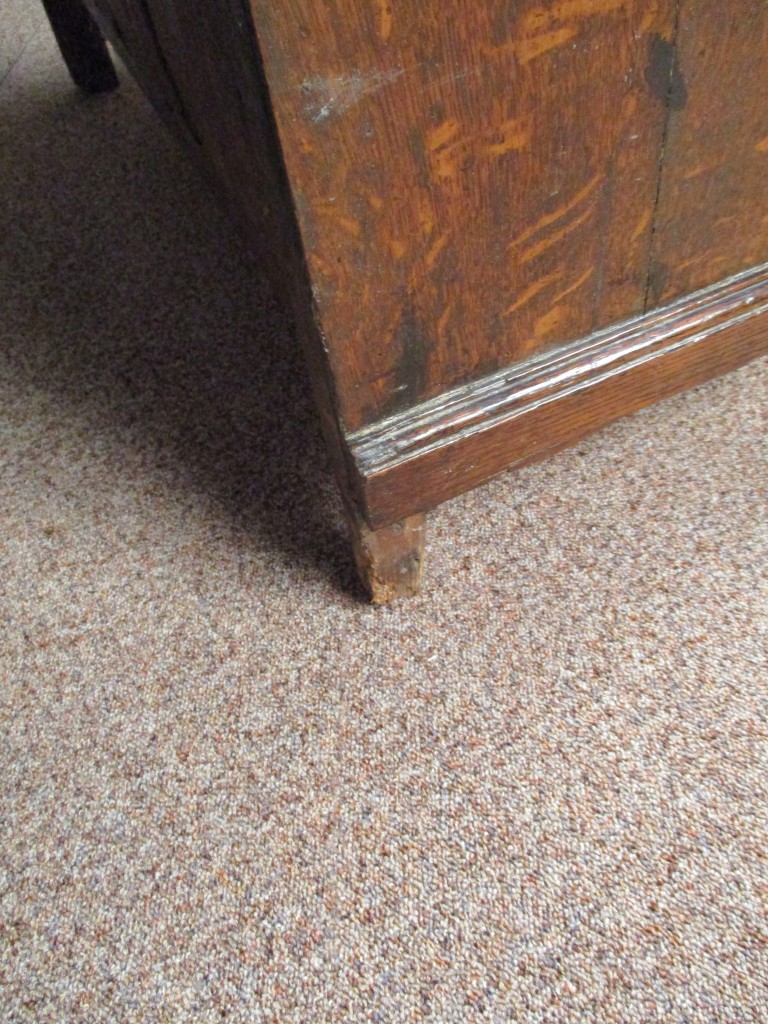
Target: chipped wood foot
82 45
389 559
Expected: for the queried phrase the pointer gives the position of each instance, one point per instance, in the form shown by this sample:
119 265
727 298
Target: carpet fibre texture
231 790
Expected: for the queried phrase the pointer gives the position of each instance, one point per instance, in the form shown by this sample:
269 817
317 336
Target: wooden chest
500 224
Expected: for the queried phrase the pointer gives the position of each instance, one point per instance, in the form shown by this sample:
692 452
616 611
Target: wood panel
125 24
447 445
712 219
474 181
205 57
209 62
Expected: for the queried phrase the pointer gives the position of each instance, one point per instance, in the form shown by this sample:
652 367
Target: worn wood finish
712 219
82 45
443 447
473 182
389 560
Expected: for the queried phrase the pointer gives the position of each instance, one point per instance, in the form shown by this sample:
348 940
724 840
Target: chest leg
82 45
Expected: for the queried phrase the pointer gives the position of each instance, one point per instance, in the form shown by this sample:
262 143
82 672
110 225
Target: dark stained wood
82 45
437 450
712 219
127 25
474 182
227 114
389 560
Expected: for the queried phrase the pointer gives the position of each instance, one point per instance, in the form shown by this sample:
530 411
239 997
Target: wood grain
473 182
419 458
712 219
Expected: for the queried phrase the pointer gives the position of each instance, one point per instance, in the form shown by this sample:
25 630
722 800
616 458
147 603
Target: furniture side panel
125 24
209 54
475 181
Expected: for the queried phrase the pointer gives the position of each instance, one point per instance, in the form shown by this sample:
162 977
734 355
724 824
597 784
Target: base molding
438 449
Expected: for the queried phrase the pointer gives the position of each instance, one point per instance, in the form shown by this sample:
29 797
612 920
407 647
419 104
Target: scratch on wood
440 136
512 134
529 49
556 215
572 288
558 236
695 172
550 321
642 224
436 249
533 290
546 18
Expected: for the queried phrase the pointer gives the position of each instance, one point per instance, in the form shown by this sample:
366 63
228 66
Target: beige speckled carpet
229 790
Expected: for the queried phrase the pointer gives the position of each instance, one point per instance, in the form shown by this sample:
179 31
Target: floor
231 790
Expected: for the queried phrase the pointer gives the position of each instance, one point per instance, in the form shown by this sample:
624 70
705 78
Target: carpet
229 788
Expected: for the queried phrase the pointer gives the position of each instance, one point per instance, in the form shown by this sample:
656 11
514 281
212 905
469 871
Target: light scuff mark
333 96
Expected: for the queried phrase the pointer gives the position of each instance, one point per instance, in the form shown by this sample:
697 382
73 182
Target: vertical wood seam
662 156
